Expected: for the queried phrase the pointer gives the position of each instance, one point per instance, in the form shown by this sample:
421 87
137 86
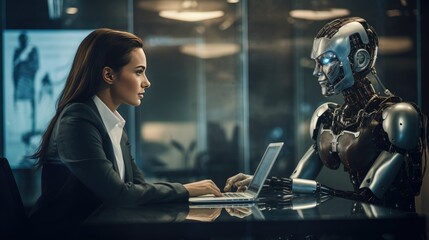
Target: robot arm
402 124
309 166
382 173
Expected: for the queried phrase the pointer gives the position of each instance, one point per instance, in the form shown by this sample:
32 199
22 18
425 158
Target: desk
299 217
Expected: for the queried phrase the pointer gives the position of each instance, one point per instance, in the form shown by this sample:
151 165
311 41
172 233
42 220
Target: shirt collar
110 119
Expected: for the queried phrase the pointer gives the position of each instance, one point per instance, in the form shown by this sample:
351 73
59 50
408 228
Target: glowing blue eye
326 60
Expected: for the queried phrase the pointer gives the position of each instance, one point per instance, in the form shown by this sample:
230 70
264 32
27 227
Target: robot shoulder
322 112
402 123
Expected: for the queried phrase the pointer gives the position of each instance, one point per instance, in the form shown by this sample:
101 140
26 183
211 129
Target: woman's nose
146 83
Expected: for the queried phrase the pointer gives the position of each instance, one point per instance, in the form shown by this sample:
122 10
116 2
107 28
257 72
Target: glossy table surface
289 217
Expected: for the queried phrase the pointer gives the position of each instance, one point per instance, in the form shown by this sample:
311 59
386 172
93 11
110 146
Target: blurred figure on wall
25 67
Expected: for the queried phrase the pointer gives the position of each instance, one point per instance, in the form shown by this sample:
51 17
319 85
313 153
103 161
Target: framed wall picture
35 67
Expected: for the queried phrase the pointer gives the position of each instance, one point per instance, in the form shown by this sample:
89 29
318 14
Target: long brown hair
101 48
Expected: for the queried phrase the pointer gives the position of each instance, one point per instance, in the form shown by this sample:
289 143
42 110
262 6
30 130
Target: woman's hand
240 181
202 187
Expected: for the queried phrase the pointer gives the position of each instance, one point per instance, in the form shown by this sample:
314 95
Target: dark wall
22 14
425 56
2 16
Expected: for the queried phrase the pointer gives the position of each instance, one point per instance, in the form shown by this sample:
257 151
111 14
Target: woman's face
130 83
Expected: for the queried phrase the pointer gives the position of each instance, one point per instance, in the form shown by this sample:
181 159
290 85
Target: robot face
332 55
328 71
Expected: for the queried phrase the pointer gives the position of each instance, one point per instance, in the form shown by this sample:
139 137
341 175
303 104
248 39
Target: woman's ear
108 75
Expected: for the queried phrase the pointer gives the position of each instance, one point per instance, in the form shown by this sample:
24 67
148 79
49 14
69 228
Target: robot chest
356 150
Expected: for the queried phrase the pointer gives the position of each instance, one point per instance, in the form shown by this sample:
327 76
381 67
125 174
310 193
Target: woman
85 154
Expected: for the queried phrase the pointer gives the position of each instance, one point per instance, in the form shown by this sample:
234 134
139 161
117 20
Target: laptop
255 186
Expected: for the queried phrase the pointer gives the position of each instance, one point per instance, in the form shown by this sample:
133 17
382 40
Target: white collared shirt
114 124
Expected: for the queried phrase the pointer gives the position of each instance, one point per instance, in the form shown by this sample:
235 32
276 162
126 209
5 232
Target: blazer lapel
125 147
107 142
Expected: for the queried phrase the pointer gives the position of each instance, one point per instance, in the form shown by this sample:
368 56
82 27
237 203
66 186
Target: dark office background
214 115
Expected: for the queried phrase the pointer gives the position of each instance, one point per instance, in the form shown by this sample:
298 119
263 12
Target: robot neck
359 94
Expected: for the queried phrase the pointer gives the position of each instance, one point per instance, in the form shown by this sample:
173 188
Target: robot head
345 50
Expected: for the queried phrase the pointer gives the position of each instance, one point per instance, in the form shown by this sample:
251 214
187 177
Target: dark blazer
80 172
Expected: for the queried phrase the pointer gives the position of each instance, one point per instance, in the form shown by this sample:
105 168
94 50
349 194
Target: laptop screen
264 167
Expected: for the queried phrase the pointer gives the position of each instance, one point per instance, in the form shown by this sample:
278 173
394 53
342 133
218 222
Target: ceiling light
72 10
393 13
157 5
210 50
191 16
319 15
394 45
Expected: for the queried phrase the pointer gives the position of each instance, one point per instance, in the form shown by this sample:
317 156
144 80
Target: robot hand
305 186
240 181
295 185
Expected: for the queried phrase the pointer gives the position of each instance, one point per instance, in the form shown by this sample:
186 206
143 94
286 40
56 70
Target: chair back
13 217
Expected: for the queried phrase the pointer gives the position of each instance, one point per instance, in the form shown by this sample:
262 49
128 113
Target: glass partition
191 120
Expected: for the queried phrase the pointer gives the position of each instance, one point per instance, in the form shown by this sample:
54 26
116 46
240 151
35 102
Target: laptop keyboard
234 194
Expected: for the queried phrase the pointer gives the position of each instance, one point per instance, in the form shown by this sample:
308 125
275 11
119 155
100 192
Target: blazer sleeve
80 147
137 174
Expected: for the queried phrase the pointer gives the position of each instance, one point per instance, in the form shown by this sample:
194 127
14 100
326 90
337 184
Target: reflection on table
290 217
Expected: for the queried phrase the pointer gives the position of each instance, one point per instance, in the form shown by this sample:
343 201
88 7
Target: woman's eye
140 72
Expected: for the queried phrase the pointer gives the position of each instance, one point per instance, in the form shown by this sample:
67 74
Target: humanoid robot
380 140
